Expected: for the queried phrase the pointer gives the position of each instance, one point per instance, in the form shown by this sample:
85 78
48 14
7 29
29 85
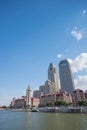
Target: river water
10 120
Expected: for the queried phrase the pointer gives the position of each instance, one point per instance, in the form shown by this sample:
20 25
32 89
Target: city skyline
36 33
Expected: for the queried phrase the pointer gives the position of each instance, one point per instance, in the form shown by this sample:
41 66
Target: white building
48 88
28 97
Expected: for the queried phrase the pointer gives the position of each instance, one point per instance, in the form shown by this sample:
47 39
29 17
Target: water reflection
42 121
54 121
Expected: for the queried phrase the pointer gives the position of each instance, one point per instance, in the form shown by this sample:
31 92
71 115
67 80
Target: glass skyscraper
66 78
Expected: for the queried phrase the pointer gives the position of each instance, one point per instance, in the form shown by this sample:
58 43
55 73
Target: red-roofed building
78 95
59 96
21 102
35 102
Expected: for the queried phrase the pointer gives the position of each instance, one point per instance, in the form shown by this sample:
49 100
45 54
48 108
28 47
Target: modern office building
66 78
53 77
36 93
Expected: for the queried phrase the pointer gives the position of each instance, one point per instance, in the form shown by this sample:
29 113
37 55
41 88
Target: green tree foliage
82 103
42 105
3 107
49 104
60 103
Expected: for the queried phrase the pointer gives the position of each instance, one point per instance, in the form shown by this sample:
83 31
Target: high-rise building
51 85
28 97
66 79
53 77
36 93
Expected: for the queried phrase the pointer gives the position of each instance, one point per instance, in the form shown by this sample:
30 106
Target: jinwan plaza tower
66 78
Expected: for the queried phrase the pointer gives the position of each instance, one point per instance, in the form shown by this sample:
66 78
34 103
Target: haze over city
34 34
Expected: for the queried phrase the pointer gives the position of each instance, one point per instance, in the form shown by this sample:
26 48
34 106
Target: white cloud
79 63
84 12
59 55
77 34
24 92
81 82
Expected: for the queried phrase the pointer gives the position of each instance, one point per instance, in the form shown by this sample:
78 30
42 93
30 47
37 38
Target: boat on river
35 110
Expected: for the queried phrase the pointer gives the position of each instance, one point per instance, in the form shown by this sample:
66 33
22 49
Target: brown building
59 96
63 96
20 103
78 95
86 95
35 102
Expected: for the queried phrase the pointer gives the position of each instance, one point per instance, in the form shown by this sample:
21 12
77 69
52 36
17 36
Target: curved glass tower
66 79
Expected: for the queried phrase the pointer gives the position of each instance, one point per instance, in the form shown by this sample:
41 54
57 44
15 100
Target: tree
3 107
82 103
42 105
60 103
49 104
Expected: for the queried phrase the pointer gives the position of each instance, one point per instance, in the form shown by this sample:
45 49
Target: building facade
78 95
35 102
53 77
48 88
36 93
20 103
59 96
51 85
28 97
66 78
86 95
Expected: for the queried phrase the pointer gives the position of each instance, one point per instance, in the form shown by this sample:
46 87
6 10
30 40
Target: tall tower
28 97
66 79
53 77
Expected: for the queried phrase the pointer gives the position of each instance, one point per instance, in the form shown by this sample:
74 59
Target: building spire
28 88
28 97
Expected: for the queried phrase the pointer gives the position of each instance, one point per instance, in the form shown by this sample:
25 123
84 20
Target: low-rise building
20 103
59 96
86 95
35 102
64 96
78 95
12 103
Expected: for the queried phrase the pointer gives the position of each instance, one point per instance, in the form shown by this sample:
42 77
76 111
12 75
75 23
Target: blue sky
35 33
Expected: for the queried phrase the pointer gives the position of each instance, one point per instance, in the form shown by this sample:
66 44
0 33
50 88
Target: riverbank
61 109
64 109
